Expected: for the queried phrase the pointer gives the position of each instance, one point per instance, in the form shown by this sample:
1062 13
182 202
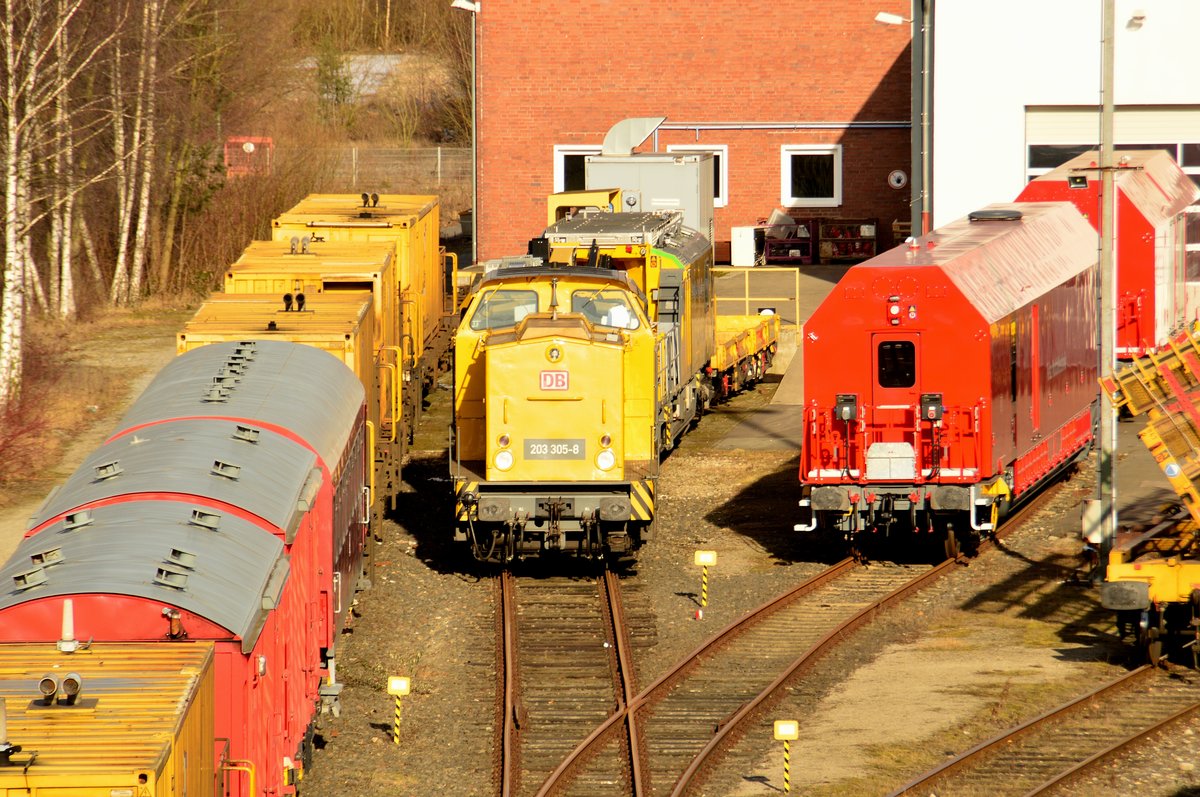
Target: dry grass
76 376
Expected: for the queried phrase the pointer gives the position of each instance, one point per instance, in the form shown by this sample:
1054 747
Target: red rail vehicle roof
1151 179
986 259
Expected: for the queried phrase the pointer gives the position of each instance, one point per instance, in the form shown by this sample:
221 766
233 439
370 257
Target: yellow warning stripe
641 500
460 511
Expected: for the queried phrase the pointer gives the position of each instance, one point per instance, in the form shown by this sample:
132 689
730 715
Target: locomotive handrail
745 297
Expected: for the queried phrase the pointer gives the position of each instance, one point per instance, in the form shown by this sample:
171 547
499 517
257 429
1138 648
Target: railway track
1050 750
691 710
576 723
567 664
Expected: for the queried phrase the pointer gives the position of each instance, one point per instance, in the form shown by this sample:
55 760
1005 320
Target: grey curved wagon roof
300 388
219 567
258 470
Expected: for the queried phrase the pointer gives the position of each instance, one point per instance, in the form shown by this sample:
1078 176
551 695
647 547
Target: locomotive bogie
946 378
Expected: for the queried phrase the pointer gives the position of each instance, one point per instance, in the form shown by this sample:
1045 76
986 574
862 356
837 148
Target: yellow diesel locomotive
576 368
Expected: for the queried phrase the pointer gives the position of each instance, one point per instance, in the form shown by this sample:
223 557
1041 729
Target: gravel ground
981 650
1005 637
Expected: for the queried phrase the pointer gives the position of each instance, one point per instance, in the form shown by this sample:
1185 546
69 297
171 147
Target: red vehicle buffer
944 378
1152 194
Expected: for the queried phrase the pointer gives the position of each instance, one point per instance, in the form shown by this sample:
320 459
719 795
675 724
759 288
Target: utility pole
1106 480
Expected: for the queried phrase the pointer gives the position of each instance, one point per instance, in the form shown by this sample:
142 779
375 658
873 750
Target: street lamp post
1108 426
922 108
472 6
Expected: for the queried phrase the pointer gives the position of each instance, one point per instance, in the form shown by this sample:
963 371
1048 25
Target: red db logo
554 380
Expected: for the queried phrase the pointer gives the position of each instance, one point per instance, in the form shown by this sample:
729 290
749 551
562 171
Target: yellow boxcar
411 223
140 725
342 324
271 267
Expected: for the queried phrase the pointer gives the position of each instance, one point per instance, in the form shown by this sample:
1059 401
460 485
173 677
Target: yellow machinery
575 369
1153 577
411 224
122 719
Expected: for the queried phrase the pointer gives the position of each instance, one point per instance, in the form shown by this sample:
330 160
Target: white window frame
721 151
569 149
785 175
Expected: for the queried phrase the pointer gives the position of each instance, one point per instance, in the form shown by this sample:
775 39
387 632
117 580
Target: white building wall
993 60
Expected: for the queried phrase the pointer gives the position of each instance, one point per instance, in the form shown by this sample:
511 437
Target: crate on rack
787 240
847 240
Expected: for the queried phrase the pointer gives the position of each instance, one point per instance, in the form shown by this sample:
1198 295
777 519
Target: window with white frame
810 175
720 153
569 166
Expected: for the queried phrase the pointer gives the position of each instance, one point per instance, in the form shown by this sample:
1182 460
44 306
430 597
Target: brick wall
555 72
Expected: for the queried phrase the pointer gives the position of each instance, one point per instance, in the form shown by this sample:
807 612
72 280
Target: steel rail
1087 764
508 620
803 662
983 748
625 676
726 732
589 746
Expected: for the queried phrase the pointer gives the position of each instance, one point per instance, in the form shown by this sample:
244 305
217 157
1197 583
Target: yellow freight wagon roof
134 700
400 209
326 313
277 256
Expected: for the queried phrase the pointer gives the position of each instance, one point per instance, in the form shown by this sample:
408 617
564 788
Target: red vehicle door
893 437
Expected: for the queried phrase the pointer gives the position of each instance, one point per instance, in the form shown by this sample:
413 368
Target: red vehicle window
897 363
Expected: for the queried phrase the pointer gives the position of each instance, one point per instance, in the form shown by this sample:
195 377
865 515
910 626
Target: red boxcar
1152 194
228 506
945 377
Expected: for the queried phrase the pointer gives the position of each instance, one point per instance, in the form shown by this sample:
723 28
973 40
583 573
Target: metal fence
393 169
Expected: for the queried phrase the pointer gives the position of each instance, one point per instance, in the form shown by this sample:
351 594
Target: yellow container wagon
342 324
141 723
409 222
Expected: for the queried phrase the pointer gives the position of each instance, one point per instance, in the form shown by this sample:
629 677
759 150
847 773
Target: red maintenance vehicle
1153 194
948 377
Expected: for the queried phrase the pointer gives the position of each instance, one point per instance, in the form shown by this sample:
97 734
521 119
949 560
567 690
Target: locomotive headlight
503 441
606 459
503 459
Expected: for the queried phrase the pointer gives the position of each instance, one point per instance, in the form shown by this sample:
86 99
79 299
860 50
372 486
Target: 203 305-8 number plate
562 448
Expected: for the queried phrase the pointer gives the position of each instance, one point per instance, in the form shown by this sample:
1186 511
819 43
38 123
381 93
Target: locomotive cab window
897 363
503 308
606 308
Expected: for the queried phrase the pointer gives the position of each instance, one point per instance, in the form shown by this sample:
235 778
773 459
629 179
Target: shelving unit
847 240
789 244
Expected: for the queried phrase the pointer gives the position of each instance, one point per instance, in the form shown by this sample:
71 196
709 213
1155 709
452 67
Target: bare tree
39 67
